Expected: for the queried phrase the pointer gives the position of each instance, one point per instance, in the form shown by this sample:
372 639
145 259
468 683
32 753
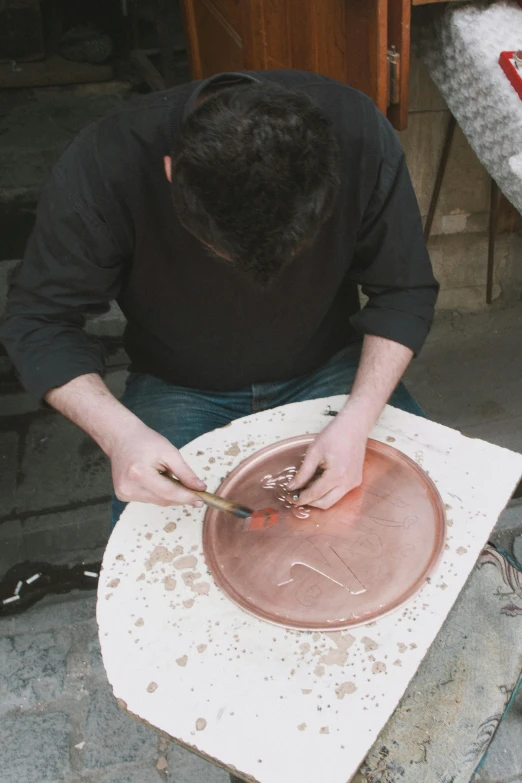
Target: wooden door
344 39
213 29
347 40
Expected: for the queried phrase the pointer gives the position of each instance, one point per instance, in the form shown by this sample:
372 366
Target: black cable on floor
27 583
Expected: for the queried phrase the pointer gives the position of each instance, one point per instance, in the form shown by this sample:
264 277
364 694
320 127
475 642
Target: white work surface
274 705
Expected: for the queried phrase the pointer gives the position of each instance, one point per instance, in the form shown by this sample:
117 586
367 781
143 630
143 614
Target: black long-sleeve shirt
106 230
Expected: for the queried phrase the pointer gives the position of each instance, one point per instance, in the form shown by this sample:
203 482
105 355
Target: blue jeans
181 414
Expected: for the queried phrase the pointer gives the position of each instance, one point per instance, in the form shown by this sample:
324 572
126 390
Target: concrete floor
58 722
469 375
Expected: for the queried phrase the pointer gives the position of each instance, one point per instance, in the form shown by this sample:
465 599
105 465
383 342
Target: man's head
255 174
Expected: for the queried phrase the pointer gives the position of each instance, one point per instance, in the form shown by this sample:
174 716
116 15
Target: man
233 220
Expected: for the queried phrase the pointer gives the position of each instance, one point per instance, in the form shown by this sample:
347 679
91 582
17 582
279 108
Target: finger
318 489
307 469
330 499
174 462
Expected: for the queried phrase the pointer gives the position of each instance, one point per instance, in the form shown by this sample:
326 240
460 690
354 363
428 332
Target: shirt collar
218 80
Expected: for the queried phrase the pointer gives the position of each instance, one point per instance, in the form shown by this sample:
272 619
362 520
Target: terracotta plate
325 570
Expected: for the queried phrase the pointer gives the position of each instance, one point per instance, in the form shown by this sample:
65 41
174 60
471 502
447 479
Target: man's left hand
339 451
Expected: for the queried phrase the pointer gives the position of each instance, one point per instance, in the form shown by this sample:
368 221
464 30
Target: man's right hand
138 454
138 457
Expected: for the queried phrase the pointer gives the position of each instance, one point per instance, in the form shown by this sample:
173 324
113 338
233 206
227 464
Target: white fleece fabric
461 48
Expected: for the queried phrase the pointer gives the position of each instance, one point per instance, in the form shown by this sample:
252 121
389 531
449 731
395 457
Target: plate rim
376 445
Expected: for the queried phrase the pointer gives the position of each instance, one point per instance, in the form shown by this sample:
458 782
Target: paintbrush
254 520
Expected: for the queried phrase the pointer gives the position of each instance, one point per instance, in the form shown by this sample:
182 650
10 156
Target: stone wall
459 240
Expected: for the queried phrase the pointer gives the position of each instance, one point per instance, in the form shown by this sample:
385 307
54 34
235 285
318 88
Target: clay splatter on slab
189 604
139 622
170 527
398 662
306 691
369 644
114 583
160 554
201 724
152 686
345 689
201 648
460 551
378 667
189 561
339 655
319 671
202 588
233 451
302 726
190 577
170 583
182 661
324 730
402 647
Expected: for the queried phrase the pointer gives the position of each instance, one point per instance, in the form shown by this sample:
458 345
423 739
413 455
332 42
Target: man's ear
167 163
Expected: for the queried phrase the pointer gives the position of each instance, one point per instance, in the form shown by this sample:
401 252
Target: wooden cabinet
214 34
365 43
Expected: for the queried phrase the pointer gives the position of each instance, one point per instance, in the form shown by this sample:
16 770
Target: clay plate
359 560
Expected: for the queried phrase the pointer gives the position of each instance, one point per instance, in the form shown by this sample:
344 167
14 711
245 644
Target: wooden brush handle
221 504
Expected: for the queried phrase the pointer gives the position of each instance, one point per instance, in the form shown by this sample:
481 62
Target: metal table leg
441 170
492 233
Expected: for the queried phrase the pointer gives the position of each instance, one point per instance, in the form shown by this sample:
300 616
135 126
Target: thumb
307 469
175 463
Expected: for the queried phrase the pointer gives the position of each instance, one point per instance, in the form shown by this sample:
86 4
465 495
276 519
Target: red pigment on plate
260 520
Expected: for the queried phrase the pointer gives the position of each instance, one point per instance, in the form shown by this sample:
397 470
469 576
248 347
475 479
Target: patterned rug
441 729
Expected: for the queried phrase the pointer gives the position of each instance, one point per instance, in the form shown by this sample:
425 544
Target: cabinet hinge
394 72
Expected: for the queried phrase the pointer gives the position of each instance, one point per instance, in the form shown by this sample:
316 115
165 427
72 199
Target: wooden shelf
429 2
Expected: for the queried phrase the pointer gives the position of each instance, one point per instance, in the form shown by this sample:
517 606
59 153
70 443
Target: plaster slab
274 705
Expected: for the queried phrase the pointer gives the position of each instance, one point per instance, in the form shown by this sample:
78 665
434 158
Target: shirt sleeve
72 267
391 261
